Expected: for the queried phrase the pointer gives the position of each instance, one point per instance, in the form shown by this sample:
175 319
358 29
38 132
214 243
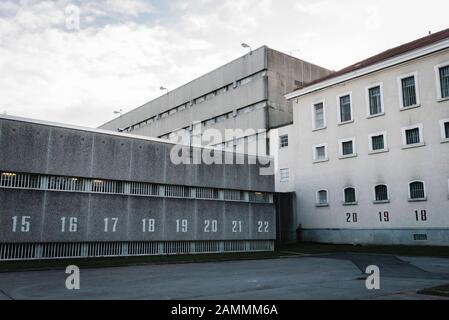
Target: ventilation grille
32 251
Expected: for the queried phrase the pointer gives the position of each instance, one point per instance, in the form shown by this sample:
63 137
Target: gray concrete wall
45 216
36 148
225 75
44 211
285 74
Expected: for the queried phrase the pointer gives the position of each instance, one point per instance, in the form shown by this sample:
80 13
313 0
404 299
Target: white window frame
344 196
288 175
421 136
442 131
374 194
339 108
326 158
340 148
409 194
367 100
438 80
401 98
324 115
317 198
370 142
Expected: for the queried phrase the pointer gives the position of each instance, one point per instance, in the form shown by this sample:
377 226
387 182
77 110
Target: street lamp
162 88
247 46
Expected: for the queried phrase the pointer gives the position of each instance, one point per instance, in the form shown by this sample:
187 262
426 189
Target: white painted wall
396 168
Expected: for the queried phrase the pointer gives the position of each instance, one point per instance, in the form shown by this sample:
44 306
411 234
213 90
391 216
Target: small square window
320 153
347 148
378 142
283 141
412 136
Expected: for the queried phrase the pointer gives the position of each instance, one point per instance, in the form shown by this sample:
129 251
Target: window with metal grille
378 142
283 141
446 130
177 191
206 193
258 197
345 108
350 196
408 92
319 115
320 153
375 101
322 197
347 148
19 180
412 136
444 82
381 192
67 184
284 175
417 190
144 189
234 195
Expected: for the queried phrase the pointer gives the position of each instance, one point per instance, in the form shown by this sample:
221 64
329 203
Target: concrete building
368 154
74 192
247 94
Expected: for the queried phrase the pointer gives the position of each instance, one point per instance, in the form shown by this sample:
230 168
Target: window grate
350 195
444 82
375 102
417 190
409 92
19 180
381 192
412 136
347 148
345 108
378 142
420 237
283 141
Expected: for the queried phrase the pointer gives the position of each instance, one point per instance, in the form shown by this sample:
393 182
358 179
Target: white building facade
368 151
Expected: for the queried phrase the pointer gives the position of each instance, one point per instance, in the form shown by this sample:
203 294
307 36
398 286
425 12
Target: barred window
322 197
381 192
66 184
417 190
378 142
19 180
206 193
319 121
177 191
144 189
283 141
320 153
408 92
444 81
345 108
412 136
347 148
284 175
375 100
234 195
258 197
350 196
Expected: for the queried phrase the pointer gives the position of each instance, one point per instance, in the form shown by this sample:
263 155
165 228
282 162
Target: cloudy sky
77 61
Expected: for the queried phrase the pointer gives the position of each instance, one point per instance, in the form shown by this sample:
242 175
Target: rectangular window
375 100
412 136
444 81
347 148
283 141
319 121
446 130
345 108
284 175
320 152
409 97
378 142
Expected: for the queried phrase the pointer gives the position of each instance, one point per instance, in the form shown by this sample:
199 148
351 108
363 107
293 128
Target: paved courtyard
335 276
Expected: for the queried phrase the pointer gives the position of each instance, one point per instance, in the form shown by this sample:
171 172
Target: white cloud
80 77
